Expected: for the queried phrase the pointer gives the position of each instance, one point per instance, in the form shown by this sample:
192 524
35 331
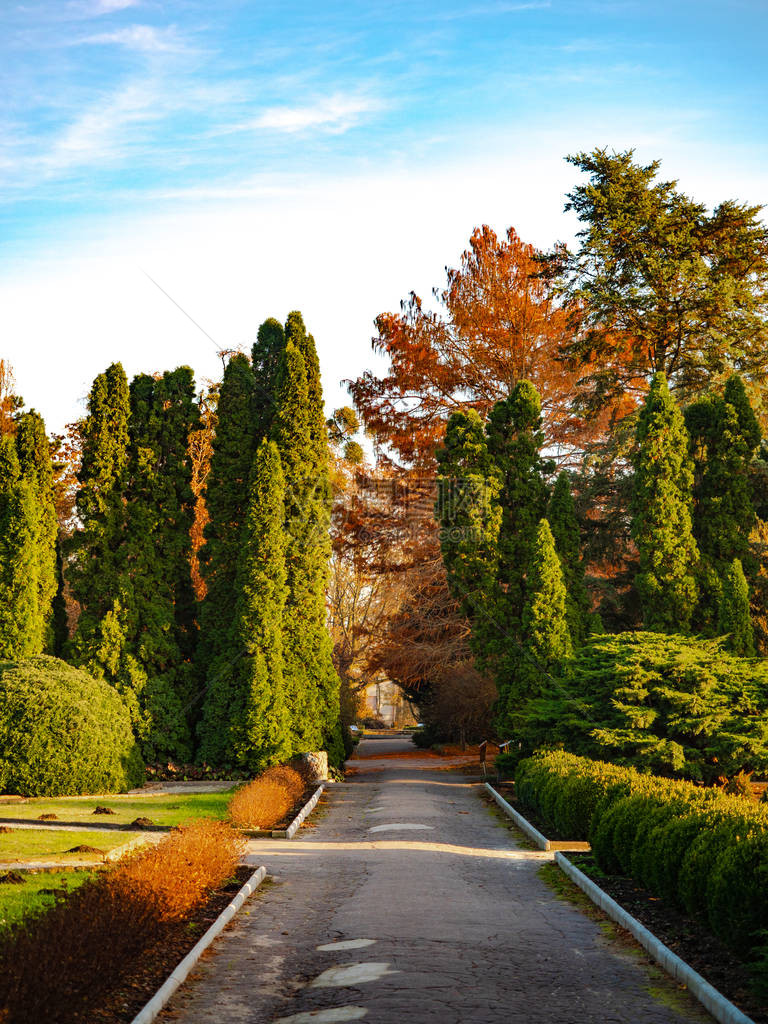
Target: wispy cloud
111 6
493 9
142 38
336 113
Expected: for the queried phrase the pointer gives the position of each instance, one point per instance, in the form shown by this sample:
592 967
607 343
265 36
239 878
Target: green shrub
701 848
62 732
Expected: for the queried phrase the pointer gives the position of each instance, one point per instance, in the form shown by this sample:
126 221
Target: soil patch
85 849
142 823
4 829
12 878
684 935
103 810
47 817
149 972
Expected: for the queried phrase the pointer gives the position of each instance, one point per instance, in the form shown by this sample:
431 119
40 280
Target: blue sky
255 157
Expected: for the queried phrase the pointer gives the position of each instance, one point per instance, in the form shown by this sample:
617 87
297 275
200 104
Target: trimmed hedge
697 847
62 732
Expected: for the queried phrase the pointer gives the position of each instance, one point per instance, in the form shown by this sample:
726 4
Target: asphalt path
410 901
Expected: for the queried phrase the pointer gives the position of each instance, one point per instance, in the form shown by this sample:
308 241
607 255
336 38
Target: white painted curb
298 821
180 973
525 826
721 1008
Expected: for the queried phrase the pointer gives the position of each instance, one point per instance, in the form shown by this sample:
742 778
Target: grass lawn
50 844
16 901
175 809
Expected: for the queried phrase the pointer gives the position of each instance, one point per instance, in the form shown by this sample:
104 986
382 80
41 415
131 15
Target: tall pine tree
245 716
266 357
561 515
662 502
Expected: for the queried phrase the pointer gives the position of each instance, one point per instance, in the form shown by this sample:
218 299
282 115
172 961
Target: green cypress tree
661 508
92 568
59 618
266 356
312 685
734 619
21 621
36 467
514 442
469 515
226 496
546 645
561 514
245 716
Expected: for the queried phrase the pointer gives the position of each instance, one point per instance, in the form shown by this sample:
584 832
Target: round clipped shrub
62 732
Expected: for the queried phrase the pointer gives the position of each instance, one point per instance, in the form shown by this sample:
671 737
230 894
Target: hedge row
698 848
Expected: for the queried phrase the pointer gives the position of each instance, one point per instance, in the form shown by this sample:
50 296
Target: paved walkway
409 902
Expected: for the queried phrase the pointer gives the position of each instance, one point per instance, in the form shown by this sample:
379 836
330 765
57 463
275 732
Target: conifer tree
662 502
226 498
514 442
36 468
561 514
311 682
725 435
734 619
245 719
92 569
469 514
546 640
21 621
266 356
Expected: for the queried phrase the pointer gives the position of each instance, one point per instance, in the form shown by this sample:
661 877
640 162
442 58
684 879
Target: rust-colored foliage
266 801
55 967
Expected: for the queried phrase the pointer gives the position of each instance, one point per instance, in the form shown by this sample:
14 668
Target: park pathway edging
179 974
525 826
713 1001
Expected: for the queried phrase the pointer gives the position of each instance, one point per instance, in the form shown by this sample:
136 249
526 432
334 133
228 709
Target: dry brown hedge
56 966
266 801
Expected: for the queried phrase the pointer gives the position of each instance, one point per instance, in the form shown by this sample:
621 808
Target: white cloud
335 113
111 6
142 38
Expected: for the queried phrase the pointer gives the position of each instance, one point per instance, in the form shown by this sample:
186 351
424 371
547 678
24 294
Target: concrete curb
301 817
178 976
721 1008
79 865
525 826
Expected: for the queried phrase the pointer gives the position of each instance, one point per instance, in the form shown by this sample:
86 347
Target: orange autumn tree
498 321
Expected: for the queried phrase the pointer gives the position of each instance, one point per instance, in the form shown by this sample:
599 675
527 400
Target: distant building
385 700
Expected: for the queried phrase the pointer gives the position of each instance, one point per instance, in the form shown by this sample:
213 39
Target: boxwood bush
698 847
62 732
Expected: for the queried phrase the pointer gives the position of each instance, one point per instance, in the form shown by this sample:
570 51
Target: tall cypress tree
662 502
21 621
734 617
226 496
546 642
36 467
514 442
312 685
245 719
266 356
469 514
561 515
92 569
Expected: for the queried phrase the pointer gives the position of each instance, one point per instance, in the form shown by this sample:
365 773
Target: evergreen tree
546 644
561 514
21 621
514 443
245 717
59 618
662 513
725 435
266 356
734 620
469 515
311 682
36 467
226 498
92 569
